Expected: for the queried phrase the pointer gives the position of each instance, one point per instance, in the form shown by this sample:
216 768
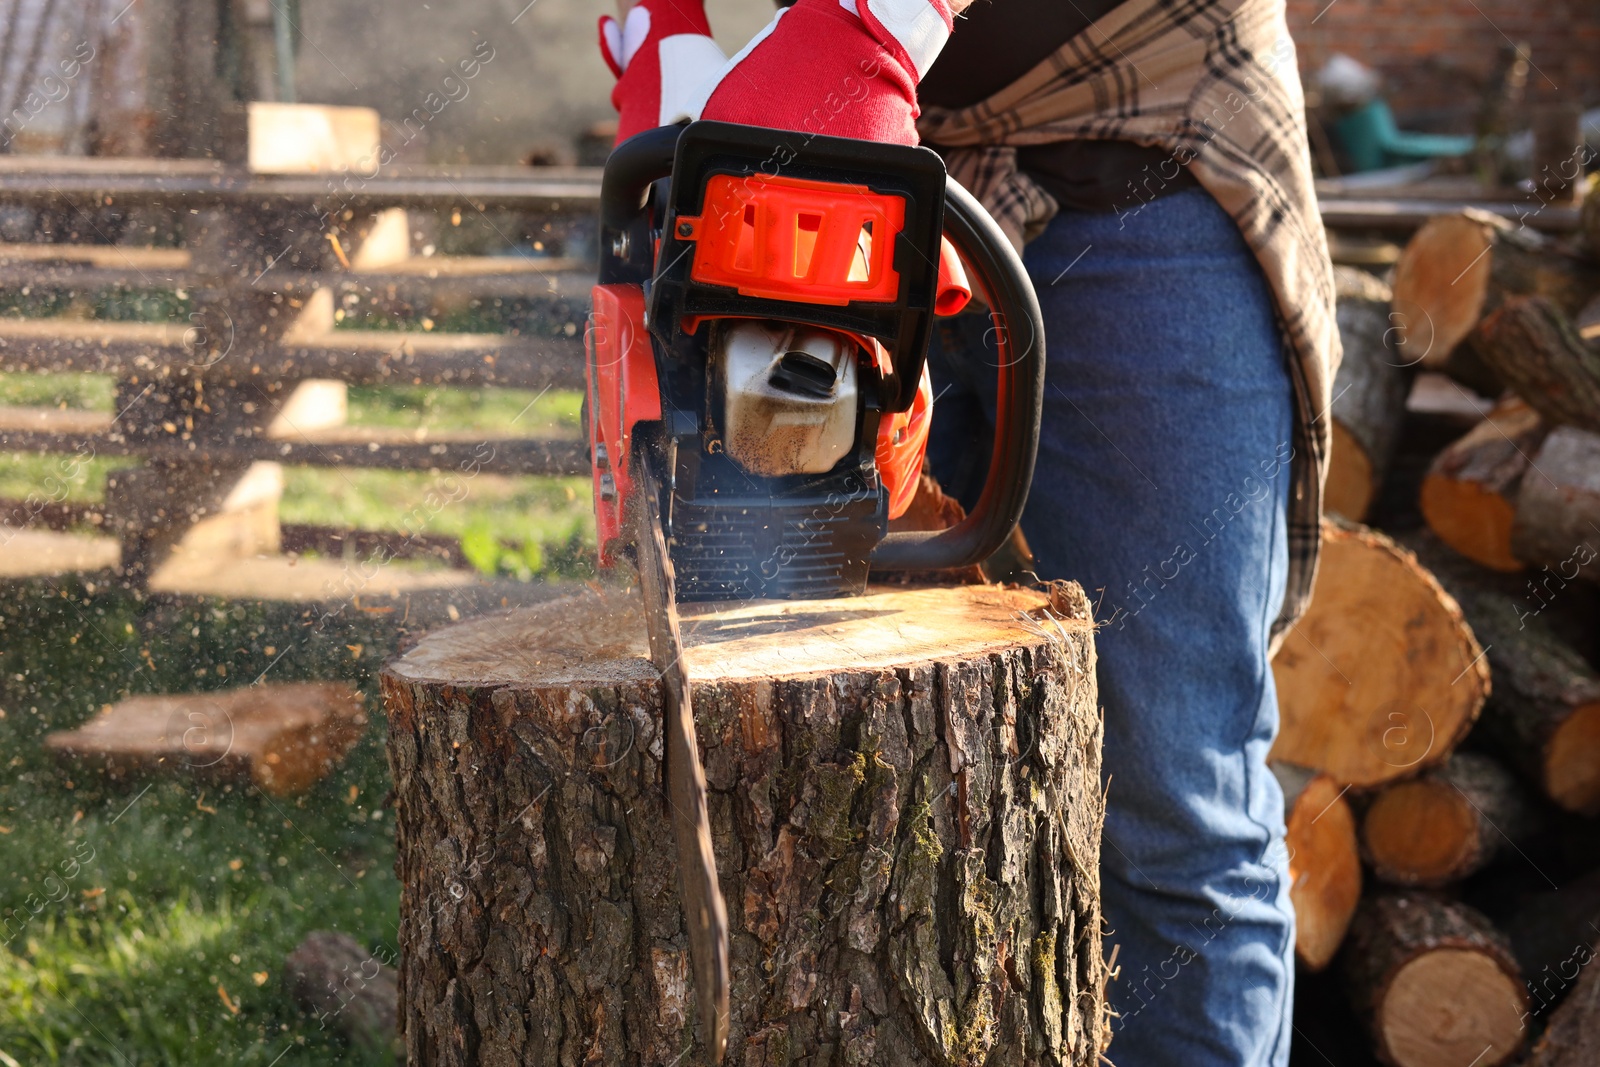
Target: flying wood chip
284 738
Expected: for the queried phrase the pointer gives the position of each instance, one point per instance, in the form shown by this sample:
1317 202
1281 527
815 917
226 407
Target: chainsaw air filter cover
788 395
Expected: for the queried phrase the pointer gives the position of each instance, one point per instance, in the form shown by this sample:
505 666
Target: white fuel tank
789 396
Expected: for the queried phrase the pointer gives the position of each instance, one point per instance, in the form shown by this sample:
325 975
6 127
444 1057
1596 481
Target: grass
147 922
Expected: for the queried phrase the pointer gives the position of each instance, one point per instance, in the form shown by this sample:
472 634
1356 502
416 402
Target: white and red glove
844 68
661 54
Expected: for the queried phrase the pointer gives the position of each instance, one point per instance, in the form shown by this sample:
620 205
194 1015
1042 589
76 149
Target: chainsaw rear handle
996 274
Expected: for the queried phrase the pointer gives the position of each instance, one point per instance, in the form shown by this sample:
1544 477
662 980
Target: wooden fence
256 375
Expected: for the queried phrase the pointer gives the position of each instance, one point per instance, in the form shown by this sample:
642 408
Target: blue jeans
1161 486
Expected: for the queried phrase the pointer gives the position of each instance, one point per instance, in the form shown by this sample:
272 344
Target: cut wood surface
1382 677
284 738
1369 395
1447 824
1537 350
345 988
1469 495
1573 1037
1324 864
1458 268
1558 507
1436 984
1544 714
905 800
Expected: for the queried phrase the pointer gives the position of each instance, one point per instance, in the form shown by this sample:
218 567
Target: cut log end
1451 1007
1324 866
1382 677
1472 519
1421 833
1469 495
1352 481
1572 761
1440 285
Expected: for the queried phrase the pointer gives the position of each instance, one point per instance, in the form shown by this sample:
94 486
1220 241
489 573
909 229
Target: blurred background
292 295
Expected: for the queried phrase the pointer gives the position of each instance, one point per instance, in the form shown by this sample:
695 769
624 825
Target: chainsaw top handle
994 270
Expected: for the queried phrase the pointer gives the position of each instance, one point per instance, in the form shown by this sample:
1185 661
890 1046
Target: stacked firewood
1440 744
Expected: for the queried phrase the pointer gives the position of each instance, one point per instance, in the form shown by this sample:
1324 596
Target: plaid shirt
1215 83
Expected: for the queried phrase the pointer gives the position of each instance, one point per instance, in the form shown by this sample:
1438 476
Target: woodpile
1439 748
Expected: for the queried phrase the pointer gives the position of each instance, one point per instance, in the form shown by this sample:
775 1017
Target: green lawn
146 922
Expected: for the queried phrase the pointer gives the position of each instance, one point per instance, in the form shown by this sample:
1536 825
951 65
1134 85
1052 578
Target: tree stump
905 803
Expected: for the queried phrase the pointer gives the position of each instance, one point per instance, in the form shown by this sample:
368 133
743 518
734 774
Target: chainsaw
758 404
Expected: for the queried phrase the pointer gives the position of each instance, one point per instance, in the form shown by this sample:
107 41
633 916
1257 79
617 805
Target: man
1153 156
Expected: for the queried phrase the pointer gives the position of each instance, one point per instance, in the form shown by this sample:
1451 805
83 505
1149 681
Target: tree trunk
1324 865
1369 396
1558 510
1435 983
1544 712
1382 678
905 801
1537 351
1573 1037
1451 822
1459 268
1469 495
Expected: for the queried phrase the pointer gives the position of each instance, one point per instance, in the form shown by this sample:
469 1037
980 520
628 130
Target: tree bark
1324 864
1573 1037
1544 712
1558 509
1369 396
1554 935
1439 828
905 802
1537 351
1382 678
1435 983
1459 268
1469 495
